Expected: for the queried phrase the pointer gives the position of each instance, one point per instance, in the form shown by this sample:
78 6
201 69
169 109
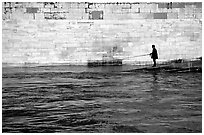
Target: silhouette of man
154 55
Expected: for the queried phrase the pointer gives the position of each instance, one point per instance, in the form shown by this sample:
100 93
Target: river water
77 99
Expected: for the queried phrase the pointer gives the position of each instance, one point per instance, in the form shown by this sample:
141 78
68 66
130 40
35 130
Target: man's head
153 46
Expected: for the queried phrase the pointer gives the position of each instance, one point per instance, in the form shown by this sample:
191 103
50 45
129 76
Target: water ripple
47 101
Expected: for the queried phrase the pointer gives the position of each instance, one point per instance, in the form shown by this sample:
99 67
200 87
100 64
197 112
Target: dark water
81 99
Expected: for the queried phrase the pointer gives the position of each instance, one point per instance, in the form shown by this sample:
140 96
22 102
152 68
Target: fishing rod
135 56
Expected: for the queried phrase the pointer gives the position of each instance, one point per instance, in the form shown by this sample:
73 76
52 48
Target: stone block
178 5
46 10
198 16
160 15
198 4
28 16
82 5
133 10
32 10
162 5
172 15
6 16
54 10
149 16
39 16
181 14
153 7
96 15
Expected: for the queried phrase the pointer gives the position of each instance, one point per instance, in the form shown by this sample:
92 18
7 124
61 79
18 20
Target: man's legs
154 60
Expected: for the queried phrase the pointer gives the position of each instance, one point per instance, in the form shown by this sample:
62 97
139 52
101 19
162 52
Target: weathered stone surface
69 36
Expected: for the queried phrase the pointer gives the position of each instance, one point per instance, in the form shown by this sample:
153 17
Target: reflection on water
81 99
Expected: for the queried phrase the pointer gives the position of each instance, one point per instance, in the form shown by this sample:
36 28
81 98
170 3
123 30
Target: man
154 55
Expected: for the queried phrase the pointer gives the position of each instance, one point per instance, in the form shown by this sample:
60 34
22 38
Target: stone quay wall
76 32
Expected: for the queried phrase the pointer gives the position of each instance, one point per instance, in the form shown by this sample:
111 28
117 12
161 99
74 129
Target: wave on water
68 100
